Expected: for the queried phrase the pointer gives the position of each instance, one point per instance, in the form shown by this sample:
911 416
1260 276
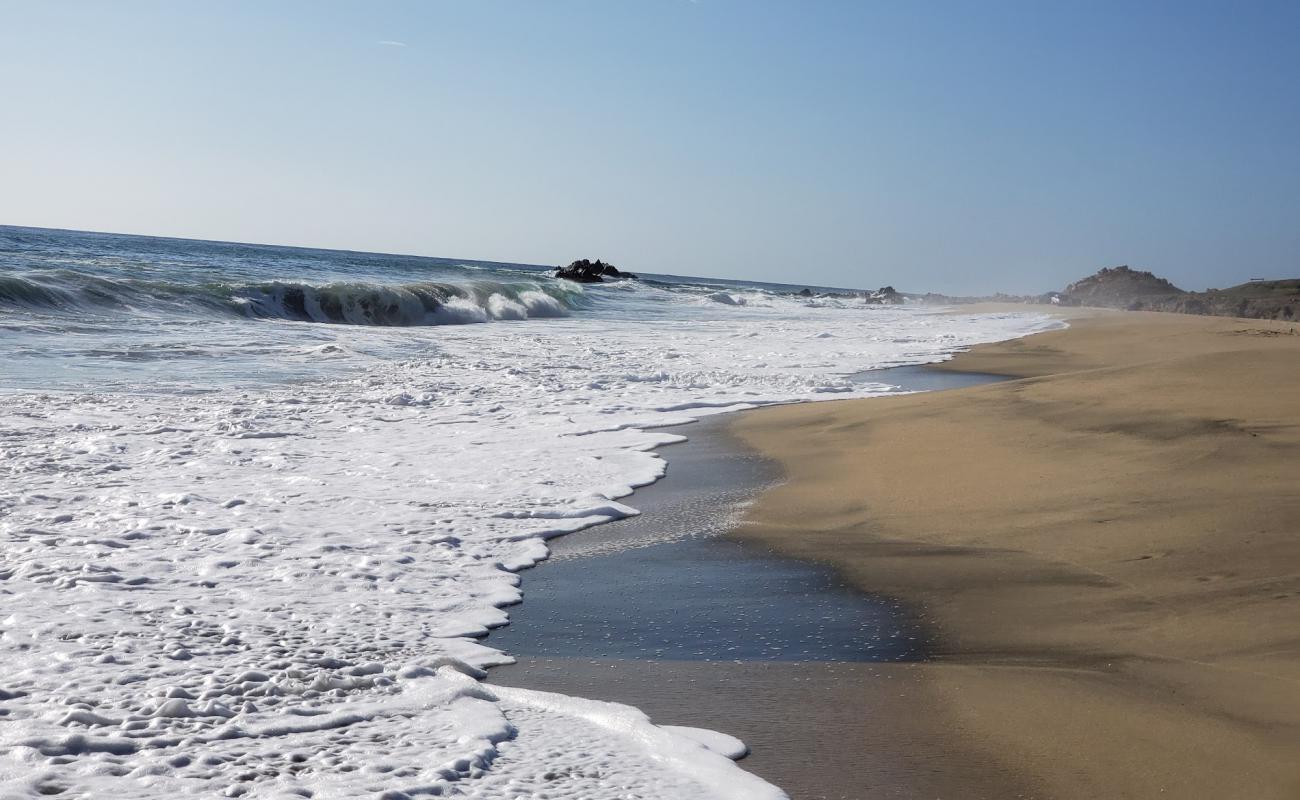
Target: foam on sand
276 589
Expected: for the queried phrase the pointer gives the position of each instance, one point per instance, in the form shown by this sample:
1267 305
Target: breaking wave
343 303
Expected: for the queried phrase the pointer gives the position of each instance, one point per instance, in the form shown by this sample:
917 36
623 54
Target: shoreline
1105 548
804 720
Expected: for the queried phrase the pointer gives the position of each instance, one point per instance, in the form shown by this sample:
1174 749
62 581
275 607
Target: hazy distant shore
1106 549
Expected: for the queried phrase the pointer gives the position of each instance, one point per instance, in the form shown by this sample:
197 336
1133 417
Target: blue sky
948 146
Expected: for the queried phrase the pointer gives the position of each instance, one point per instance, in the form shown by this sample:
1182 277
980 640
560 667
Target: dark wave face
350 303
68 273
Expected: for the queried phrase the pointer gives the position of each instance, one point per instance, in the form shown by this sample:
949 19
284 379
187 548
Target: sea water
259 505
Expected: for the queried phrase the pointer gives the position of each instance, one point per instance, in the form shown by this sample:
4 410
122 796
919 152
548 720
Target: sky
960 147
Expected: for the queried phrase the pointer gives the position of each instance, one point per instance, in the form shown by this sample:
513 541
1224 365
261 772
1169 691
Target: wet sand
819 730
837 727
1107 550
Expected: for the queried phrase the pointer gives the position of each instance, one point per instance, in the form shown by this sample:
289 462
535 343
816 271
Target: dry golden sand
1108 549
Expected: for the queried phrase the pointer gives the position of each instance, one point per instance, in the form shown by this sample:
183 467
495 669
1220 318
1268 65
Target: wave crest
350 303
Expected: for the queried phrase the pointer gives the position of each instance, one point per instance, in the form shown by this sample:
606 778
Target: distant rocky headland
1136 290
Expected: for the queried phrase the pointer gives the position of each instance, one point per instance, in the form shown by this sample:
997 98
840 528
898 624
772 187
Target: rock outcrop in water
885 295
584 271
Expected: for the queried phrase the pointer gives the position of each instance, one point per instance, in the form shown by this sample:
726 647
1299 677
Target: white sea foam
276 590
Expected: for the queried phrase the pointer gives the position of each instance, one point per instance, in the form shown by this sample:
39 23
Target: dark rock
584 271
885 295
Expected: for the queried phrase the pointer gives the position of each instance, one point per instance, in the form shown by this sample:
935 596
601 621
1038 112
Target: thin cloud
391 43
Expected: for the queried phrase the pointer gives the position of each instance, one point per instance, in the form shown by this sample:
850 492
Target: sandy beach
1107 549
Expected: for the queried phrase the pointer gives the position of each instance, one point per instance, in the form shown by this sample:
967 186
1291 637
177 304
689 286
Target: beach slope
1107 549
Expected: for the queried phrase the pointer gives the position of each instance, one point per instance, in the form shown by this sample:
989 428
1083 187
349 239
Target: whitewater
260 506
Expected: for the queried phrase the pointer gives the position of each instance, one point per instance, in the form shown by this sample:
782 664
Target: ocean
260 504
